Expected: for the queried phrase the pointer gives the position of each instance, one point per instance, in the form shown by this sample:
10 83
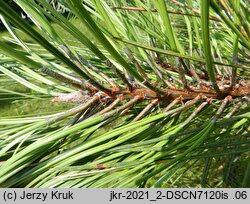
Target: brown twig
155 10
194 10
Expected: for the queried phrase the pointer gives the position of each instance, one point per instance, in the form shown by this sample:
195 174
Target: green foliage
162 93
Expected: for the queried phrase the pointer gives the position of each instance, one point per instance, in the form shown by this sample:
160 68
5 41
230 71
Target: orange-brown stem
170 94
155 10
